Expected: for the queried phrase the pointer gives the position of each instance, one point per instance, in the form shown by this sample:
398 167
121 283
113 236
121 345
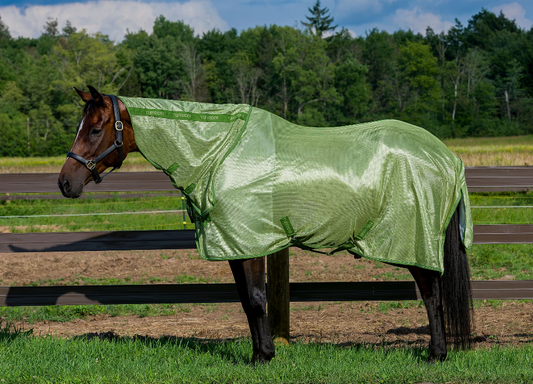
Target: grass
106 220
493 151
28 359
62 314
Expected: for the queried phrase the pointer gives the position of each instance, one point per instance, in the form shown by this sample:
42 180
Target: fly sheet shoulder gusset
257 183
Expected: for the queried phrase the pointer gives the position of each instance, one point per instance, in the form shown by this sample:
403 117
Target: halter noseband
91 164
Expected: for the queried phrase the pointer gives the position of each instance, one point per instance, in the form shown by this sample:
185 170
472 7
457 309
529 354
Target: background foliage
474 80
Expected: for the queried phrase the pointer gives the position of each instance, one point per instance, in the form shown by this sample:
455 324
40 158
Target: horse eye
95 132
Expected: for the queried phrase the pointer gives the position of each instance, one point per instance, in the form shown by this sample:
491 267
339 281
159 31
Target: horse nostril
66 185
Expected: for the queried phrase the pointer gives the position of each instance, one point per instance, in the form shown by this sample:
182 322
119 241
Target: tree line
473 80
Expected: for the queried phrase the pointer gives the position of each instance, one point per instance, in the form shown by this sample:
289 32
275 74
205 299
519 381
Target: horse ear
97 96
85 96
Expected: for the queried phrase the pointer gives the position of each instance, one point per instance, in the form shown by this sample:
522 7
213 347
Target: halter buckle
90 165
119 126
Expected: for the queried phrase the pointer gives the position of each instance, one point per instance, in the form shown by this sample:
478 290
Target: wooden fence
479 179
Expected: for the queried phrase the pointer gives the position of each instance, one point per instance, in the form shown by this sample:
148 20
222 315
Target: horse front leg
429 285
249 276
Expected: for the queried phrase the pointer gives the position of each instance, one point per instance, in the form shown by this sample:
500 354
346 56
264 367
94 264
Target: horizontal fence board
116 182
97 196
499 179
227 293
503 234
478 179
96 241
184 239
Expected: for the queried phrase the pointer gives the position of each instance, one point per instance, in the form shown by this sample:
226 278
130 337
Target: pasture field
493 151
27 359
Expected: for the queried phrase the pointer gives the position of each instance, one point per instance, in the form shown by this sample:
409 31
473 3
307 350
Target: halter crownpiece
91 164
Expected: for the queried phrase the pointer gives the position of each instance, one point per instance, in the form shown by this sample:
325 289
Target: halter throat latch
117 145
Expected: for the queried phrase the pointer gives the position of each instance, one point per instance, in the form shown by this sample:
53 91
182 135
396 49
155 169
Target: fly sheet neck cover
256 183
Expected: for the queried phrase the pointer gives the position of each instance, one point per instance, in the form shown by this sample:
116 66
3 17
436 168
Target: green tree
159 67
13 140
194 83
379 55
84 59
176 29
247 77
319 21
350 81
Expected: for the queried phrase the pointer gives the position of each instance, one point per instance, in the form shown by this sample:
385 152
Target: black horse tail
456 289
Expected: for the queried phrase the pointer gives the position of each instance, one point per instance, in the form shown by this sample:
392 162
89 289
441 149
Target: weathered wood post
278 296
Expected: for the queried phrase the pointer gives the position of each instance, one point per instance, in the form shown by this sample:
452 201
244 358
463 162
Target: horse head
104 139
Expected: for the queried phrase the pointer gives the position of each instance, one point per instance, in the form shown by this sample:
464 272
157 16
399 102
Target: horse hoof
433 358
262 358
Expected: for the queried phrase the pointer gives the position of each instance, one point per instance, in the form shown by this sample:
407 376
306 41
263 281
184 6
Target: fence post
278 296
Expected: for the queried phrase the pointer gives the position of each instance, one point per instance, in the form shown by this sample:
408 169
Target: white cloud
514 11
111 17
418 21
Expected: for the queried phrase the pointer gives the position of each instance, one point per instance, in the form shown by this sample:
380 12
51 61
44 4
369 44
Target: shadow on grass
238 355
211 346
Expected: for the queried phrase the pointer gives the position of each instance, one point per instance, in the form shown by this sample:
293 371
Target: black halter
91 164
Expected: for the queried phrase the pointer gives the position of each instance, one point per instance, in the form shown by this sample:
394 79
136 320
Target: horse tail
456 289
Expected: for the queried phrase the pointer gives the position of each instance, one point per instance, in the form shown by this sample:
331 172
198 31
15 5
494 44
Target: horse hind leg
429 284
249 276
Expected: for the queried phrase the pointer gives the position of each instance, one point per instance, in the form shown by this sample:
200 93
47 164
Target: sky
116 17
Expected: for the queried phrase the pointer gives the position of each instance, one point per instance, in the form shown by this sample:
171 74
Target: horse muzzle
68 188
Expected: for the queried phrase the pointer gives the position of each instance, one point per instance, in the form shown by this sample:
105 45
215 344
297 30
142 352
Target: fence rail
184 239
227 293
478 179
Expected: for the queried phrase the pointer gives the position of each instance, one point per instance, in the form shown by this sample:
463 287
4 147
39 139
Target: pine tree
320 20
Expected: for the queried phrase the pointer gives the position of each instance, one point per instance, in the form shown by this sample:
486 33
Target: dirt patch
320 322
165 266
351 322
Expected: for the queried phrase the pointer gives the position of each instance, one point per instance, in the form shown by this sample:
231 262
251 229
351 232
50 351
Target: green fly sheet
256 183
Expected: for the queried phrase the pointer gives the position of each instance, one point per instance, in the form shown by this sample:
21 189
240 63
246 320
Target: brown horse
106 136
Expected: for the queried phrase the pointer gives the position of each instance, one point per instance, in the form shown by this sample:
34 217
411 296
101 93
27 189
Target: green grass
142 221
62 314
28 359
504 208
105 221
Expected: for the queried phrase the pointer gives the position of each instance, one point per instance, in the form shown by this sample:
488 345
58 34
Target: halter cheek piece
91 164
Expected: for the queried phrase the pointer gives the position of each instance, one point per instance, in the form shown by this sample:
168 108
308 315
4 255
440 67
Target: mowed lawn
25 358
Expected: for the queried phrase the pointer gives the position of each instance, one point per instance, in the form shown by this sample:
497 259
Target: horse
106 135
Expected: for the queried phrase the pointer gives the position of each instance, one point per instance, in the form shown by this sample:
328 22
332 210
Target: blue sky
114 17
